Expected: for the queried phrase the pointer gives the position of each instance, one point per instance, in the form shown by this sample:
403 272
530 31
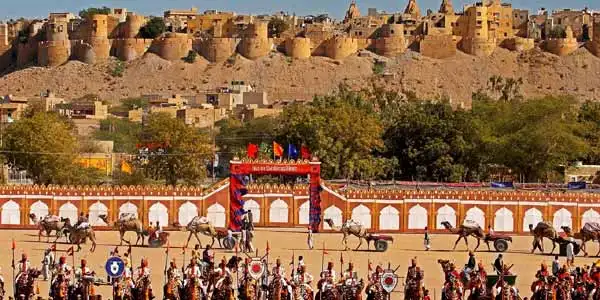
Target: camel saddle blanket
351 222
197 220
125 217
471 223
591 227
51 219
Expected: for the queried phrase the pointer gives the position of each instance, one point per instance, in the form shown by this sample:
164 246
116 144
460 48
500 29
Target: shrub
379 67
191 57
118 69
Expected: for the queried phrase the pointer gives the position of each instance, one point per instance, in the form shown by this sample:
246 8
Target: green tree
44 146
89 12
589 117
235 135
186 150
277 27
431 141
122 132
155 27
342 129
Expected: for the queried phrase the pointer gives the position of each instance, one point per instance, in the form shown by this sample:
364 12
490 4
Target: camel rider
174 273
414 273
223 271
24 266
564 274
279 273
83 272
82 222
329 274
375 276
300 263
542 273
350 275
470 266
452 273
62 268
158 230
481 271
192 270
196 253
302 277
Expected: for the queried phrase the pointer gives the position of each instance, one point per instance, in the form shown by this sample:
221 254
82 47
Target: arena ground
283 243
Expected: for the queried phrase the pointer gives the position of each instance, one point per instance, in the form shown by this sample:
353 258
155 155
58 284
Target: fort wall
217 49
438 46
26 53
392 41
54 53
340 47
132 26
561 47
298 48
256 43
594 44
478 46
130 48
519 44
172 46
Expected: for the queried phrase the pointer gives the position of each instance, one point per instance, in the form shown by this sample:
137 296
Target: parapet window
478 22
60 28
479 14
392 31
505 34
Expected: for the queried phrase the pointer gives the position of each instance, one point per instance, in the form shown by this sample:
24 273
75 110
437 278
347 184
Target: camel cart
500 241
380 241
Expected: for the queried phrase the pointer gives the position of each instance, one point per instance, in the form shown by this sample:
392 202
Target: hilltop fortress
478 30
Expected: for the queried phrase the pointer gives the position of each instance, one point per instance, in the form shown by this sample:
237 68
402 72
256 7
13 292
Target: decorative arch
362 214
128 208
476 215
39 209
303 213
389 218
158 212
333 213
590 216
255 208
417 217
562 217
532 217
503 220
97 209
11 213
445 214
216 215
187 212
279 212
68 210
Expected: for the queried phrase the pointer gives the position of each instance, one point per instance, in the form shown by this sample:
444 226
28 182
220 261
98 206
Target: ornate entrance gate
240 175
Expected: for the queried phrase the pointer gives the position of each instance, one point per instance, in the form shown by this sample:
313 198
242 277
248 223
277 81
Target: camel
350 227
48 224
589 232
543 230
79 236
128 222
201 225
463 231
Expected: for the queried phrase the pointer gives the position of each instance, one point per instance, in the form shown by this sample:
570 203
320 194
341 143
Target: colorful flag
252 151
71 251
126 167
292 151
304 152
53 247
277 150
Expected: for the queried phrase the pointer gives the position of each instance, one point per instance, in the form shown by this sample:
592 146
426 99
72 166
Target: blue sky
336 8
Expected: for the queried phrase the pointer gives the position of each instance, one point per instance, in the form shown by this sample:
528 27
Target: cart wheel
501 245
229 242
381 246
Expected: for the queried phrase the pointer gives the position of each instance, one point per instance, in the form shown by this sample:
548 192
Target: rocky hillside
577 74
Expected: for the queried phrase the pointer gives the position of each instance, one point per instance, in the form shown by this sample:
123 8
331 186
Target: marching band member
174 273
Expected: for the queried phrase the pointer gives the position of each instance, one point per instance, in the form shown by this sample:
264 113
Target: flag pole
323 258
183 264
13 267
166 263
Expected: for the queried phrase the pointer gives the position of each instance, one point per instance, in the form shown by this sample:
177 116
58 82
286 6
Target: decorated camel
128 222
543 230
48 224
202 225
589 232
350 227
469 228
79 235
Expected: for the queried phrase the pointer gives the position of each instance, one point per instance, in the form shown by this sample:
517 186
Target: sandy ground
285 242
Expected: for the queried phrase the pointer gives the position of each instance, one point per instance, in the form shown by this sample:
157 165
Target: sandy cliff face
283 78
